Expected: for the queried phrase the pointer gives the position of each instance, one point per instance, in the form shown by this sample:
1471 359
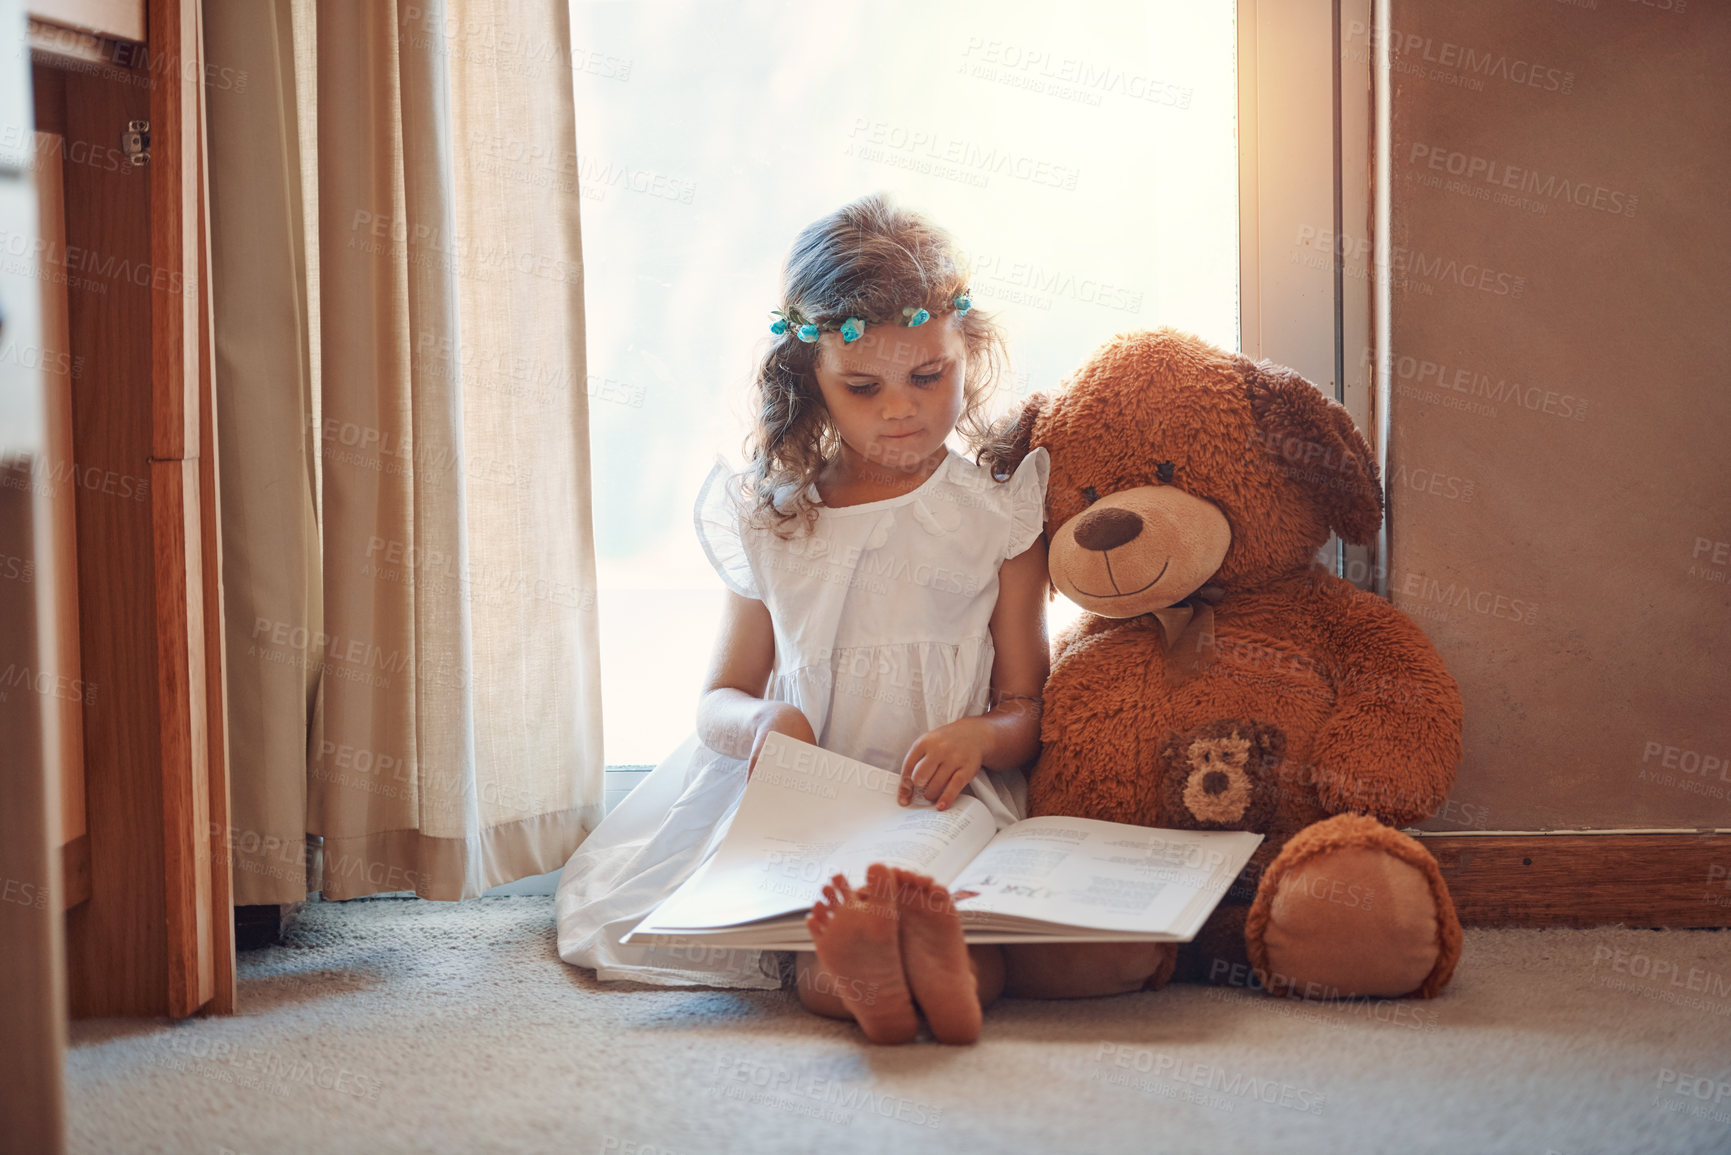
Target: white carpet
402 1025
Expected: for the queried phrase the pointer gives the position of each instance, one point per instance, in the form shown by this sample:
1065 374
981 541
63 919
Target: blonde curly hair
867 259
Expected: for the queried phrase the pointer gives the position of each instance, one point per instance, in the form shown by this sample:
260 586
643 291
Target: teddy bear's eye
1091 494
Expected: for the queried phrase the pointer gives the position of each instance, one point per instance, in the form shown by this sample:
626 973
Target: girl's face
895 393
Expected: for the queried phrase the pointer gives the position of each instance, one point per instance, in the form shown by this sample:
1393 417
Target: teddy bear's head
1176 465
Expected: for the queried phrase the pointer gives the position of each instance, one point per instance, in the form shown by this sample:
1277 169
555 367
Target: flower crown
853 328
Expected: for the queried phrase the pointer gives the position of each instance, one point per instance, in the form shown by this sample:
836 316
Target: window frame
1303 172
1306 114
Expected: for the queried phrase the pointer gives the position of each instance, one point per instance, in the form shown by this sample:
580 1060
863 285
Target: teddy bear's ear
1311 439
1012 437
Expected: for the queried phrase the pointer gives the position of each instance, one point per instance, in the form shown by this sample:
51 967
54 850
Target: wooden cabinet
129 440
114 880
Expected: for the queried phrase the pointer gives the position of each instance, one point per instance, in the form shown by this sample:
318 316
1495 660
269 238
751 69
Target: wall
1561 321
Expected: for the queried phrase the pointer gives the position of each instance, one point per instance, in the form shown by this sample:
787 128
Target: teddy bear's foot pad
1353 908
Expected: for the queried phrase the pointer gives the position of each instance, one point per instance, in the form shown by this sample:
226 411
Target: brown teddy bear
1225 680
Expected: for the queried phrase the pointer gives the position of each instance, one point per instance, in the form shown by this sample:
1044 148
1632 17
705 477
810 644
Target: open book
808 813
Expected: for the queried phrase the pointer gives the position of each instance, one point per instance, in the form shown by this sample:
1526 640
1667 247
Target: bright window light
1084 157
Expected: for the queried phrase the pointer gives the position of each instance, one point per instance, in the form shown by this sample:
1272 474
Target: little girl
885 603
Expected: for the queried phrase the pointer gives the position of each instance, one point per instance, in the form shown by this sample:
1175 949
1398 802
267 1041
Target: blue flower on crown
853 328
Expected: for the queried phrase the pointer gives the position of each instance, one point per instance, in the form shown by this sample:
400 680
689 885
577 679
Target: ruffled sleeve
716 516
1026 496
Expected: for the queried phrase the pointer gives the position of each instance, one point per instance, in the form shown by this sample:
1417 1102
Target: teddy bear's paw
1220 775
1353 908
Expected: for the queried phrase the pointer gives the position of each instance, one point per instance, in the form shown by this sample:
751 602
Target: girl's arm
1007 736
733 718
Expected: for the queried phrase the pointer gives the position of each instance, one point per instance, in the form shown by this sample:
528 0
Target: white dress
881 620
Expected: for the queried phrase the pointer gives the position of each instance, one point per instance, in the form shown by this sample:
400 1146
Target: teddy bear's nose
1102 529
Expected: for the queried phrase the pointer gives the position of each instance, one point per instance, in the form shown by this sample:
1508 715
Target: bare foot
935 959
856 937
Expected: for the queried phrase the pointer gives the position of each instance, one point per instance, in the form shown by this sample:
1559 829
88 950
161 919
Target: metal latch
135 141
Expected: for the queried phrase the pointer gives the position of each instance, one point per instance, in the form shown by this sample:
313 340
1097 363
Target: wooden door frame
186 532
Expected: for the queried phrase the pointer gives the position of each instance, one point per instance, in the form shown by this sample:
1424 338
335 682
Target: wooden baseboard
1581 880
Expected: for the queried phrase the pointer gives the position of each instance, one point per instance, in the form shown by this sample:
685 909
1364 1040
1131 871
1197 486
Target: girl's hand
781 718
943 761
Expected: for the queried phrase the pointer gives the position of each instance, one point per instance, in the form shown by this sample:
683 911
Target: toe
880 881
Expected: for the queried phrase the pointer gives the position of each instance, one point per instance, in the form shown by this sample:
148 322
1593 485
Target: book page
1100 876
806 814
922 839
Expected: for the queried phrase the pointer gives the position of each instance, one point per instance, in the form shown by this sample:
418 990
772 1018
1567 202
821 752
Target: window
1089 166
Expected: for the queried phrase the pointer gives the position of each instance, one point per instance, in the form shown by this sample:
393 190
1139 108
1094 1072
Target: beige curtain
264 375
454 736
